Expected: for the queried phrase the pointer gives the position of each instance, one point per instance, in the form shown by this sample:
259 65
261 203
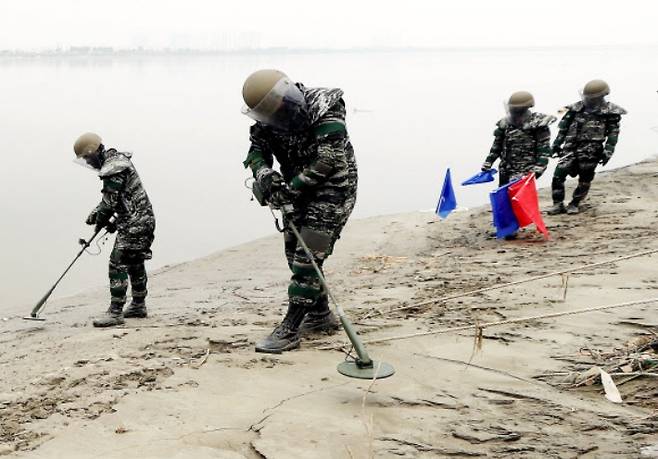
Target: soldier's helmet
259 84
521 99
273 99
88 150
87 145
596 88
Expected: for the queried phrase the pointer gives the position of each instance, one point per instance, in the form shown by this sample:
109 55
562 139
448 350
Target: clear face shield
516 115
284 107
92 162
592 100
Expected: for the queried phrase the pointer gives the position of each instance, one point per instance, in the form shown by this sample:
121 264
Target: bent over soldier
588 134
304 130
521 140
126 209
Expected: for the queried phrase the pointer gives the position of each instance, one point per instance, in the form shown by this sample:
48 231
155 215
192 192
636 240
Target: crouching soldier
521 140
124 198
587 137
304 130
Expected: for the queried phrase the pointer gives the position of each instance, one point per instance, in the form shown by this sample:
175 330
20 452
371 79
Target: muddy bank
186 382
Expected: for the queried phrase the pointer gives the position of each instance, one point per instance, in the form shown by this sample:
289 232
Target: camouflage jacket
522 149
124 195
583 132
317 161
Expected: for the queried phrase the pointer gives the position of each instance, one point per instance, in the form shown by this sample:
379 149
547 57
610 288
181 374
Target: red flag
525 203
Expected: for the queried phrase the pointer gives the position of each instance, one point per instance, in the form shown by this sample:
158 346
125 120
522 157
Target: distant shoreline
77 52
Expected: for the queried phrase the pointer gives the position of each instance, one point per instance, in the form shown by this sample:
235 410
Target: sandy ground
186 383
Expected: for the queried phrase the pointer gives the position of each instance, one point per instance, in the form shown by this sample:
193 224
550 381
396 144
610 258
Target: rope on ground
479 327
521 281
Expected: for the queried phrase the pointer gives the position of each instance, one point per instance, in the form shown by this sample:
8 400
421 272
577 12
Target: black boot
558 208
112 317
285 336
136 310
572 208
320 319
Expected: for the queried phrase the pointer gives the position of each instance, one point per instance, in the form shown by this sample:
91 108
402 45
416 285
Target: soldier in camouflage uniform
521 140
304 130
587 137
125 198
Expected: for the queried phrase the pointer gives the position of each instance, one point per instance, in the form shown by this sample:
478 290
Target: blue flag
503 216
481 177
447 200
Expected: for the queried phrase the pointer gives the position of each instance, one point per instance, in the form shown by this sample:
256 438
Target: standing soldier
587 137
521 140
125 198
304 130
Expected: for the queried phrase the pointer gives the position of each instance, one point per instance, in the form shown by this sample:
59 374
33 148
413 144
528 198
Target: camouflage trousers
320 222
128 263
583 168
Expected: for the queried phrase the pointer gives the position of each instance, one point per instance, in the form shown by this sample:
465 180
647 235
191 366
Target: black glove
91 219
269 181
111 227
486 166
557 152
605 160
282 196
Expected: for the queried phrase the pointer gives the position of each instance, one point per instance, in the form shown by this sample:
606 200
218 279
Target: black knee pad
318 242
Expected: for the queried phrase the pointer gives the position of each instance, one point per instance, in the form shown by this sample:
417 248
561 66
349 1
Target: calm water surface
411 115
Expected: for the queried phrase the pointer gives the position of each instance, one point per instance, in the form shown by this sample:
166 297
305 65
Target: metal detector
38 308
361 367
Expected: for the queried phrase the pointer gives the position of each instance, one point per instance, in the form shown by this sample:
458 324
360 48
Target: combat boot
286 335
572 208
136 310
320 319
112 317
558 208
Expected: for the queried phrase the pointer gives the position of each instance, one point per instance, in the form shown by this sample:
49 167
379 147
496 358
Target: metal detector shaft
360 349
42 301
568 155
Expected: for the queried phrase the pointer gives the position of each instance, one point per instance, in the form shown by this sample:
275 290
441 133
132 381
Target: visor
284 107
516 115
592 100
92 162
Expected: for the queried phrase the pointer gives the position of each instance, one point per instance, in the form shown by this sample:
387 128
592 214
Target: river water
410 116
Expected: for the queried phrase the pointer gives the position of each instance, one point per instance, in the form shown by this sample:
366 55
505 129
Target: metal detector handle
85 246
560 158
288 209
364 359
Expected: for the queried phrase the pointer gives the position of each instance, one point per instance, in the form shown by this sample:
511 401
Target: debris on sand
636 360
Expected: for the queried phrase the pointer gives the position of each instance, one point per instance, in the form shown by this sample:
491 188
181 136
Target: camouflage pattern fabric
321 223
319 164
585 138
124 195
127 264
521 149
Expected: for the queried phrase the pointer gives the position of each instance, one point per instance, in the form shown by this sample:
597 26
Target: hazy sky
38 24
